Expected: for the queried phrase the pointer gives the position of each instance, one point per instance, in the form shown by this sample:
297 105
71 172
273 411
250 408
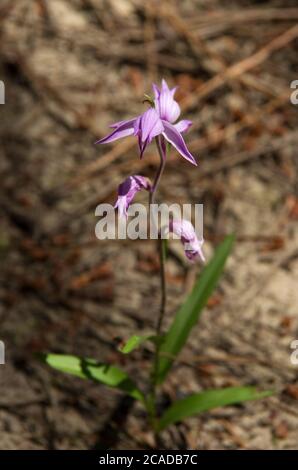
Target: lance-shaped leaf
136 341
188 314
208 400
106 374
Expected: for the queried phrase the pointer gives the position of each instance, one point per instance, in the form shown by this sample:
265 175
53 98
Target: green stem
151 402
162 257
159 173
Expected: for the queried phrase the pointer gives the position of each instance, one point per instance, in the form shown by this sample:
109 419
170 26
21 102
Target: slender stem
162 257
159 171
162 155
161 249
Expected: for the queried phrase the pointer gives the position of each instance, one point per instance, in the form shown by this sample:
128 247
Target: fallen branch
239 68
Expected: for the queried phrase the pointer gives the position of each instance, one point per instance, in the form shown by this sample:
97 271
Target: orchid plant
158 123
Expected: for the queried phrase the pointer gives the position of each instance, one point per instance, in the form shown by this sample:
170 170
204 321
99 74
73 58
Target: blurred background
72 67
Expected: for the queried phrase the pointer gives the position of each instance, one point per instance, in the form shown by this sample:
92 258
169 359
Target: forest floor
70 69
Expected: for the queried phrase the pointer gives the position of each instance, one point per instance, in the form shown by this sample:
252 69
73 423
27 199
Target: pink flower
146 127
155 121
127 191
191 244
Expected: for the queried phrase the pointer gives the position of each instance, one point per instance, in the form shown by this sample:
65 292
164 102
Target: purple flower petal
119 123
175 138
191 244
127 191
150 125
122 129
193 251
183 229
146 127
183 126
165 87
122 206
156 91
167 108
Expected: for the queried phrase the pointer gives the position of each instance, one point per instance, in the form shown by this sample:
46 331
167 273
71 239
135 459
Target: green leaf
208 400
90 369
134 342
188 314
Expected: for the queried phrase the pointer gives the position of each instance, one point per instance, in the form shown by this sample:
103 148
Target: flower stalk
162 258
